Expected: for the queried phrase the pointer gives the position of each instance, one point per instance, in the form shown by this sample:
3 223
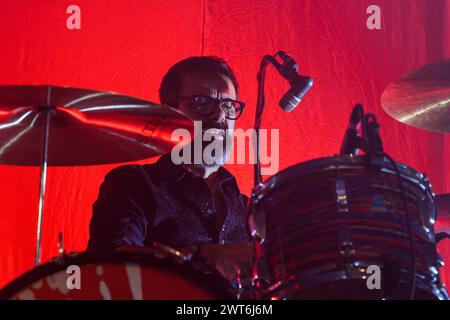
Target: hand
231 260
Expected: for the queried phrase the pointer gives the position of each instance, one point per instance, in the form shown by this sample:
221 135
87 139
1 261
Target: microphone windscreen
299 87
289 101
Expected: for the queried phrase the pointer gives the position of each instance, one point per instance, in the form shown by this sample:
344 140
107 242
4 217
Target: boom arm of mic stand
260 102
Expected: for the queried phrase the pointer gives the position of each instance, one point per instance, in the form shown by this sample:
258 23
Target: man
178 205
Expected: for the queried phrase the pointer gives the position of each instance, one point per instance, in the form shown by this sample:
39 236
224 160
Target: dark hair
171 83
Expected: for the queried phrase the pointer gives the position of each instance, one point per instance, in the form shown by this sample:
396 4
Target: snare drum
324 227
120 275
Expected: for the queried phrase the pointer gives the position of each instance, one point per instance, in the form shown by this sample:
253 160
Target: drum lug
346 247
341 196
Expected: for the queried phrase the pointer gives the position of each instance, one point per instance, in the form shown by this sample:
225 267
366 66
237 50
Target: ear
170 101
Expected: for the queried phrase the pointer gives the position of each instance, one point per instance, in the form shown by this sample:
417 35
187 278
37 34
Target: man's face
215 86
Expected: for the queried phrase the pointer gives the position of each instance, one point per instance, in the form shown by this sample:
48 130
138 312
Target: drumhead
120 275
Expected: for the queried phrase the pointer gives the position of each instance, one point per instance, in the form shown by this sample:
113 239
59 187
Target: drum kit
319 227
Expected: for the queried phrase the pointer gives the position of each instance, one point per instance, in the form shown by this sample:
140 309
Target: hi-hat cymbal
421 98
86 127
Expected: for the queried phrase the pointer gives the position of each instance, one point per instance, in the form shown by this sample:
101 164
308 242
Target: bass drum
327 228
120 275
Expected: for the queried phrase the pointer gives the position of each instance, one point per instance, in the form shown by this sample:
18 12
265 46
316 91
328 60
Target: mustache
217 125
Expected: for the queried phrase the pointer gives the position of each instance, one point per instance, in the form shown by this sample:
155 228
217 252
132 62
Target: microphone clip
372 142
363 134
288 69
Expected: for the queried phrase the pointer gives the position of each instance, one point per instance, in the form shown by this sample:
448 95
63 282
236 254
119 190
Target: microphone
300 85
352 140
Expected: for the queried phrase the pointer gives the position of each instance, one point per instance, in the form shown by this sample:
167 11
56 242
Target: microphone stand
288 69
260 103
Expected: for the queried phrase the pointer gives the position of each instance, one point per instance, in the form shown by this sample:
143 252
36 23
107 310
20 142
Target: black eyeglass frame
217 102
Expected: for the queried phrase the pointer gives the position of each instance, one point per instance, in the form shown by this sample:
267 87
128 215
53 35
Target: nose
218 115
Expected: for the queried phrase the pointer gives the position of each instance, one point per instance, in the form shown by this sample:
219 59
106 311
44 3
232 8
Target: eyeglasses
207 105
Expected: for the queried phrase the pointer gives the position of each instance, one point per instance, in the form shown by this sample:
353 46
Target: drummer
178 205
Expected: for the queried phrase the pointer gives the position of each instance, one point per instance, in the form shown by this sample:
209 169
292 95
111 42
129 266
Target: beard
211 146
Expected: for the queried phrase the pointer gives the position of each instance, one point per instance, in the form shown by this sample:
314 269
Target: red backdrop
126 46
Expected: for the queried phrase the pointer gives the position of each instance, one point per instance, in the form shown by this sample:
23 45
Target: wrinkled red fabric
126 46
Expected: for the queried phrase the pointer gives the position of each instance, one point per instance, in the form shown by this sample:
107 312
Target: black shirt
166 203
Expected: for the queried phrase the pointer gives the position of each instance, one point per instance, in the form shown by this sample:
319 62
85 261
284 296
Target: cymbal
421 98
86 127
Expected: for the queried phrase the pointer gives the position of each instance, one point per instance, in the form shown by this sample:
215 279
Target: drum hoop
218 287
334 276
332 163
